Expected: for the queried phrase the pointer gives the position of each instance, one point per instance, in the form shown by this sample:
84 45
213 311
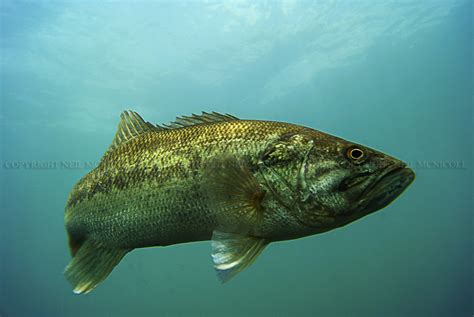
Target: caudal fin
91 264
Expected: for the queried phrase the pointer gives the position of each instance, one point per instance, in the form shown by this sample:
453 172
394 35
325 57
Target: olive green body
149 191
240 183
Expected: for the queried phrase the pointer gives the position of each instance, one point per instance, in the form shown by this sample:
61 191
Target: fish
242 184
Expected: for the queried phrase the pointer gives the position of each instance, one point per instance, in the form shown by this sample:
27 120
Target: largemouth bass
240 183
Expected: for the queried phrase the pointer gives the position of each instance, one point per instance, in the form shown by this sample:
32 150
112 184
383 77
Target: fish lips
386 187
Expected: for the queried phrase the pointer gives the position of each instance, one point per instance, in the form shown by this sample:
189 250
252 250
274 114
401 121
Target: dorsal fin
196 119
130 126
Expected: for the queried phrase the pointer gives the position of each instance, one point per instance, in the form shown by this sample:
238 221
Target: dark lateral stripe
125 178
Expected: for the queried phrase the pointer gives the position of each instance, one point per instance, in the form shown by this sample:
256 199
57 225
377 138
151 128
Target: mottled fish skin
240 183
147 192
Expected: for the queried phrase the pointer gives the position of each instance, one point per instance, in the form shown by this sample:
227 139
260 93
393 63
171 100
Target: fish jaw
390 185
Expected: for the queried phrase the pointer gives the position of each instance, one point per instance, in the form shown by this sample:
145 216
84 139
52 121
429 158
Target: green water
393 75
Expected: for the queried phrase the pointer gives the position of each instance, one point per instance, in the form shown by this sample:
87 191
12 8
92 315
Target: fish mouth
386 187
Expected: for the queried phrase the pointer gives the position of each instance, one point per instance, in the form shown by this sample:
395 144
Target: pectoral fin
233 253
234 193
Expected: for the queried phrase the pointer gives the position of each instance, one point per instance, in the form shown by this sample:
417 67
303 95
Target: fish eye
356 154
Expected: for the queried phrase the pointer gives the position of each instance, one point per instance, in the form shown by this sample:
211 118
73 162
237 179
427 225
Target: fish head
327 182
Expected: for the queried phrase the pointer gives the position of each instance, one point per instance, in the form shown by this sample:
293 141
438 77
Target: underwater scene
236 158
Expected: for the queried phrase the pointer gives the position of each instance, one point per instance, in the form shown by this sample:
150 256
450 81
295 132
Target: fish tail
92 262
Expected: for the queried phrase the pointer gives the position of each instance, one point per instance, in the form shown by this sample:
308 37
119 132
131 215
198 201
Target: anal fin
91 264
232 253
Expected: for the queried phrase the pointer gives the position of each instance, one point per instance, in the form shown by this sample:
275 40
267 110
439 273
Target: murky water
393 75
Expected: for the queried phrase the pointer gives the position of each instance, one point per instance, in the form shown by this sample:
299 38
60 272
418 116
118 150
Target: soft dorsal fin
195 119
130 126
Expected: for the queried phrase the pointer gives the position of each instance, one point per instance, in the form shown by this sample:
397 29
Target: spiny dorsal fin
130 126
195 119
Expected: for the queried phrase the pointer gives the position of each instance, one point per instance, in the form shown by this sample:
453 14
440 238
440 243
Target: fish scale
239 183
165 166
